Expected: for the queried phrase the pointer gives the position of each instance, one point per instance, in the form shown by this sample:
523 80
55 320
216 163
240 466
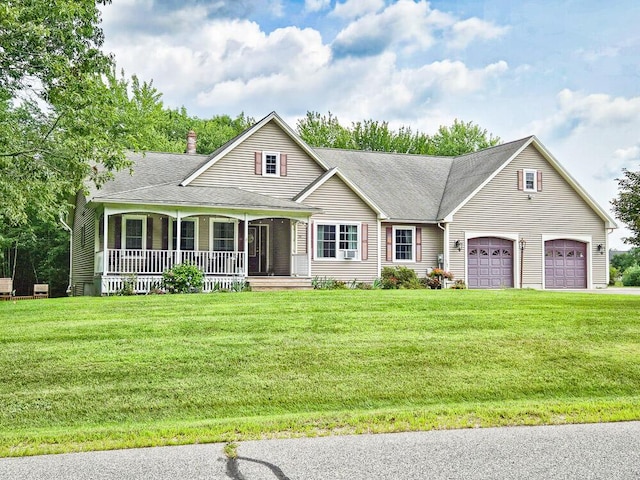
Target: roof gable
472 171
468 161
234 142
405 187
322 179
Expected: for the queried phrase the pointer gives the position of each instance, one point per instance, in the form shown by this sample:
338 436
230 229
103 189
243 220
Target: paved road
597 451
608 290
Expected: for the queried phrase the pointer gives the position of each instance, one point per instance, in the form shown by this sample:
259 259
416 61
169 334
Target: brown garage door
565 264
490 263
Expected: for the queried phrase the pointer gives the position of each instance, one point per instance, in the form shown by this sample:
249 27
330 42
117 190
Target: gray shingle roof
157 177
222 197
151 168
419 187
406 187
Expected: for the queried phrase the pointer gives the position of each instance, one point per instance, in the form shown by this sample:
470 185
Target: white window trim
223 220
413 243
264 164
123 232
172 234
535 180
339 256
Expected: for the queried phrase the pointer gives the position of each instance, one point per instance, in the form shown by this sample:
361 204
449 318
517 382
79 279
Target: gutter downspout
445 242
68 228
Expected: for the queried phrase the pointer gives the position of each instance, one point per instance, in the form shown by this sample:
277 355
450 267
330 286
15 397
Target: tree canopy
58 115
626 205
622 261
326 131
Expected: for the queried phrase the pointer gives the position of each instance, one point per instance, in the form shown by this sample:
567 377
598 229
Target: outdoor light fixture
523 243
458 245
601 249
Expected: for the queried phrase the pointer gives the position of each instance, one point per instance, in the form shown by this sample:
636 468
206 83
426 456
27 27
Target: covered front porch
228 247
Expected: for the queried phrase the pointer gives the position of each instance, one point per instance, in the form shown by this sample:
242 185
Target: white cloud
407 25
577 111
467 31
453 77
351 9
628 154
316 5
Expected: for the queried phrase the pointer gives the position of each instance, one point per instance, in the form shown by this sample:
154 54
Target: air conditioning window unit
350 254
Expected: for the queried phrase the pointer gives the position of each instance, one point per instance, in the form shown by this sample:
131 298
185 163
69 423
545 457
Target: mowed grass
99 373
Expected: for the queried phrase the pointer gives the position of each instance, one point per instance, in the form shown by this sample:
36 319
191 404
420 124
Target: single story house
268 207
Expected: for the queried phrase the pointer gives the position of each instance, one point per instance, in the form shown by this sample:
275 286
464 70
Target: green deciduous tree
323 131
622 261
326 131
627 204
460 138
58 115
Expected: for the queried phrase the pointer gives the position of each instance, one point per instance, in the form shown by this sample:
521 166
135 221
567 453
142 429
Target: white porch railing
113 284
155 262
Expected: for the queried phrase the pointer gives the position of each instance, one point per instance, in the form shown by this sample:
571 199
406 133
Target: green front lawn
96 373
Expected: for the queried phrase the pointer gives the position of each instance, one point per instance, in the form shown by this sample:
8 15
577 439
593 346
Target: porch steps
259 284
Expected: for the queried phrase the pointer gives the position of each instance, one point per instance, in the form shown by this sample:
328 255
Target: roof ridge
379 152
494 146
143 152
444 188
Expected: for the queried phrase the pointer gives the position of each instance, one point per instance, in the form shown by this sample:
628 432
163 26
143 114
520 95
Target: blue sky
568 72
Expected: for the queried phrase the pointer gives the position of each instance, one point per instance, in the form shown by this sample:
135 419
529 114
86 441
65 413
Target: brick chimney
191 142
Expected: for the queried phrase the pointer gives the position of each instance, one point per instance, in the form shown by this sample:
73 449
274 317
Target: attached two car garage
490 263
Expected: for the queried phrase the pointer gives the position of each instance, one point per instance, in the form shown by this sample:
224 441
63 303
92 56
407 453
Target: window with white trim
188 234
271 164
338 241
404 244
134 232
530 180
223 236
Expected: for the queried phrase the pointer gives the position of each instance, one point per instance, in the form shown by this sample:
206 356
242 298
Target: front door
258 249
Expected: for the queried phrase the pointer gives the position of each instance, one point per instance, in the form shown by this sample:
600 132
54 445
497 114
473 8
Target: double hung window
404 244
223 236
271 164
337 241
187 234
134 232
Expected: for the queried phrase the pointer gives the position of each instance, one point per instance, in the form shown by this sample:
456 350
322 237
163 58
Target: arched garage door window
565 264
490 263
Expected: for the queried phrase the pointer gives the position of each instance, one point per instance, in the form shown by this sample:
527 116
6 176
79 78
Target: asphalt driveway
594 451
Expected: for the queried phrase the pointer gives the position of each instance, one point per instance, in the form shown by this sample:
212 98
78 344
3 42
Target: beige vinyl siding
301 237
83 252
557 210
341 204
432 238
237 168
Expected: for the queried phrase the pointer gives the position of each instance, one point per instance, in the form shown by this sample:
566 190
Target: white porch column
378 254
105 238
177 235
309 243
293 247
246 246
